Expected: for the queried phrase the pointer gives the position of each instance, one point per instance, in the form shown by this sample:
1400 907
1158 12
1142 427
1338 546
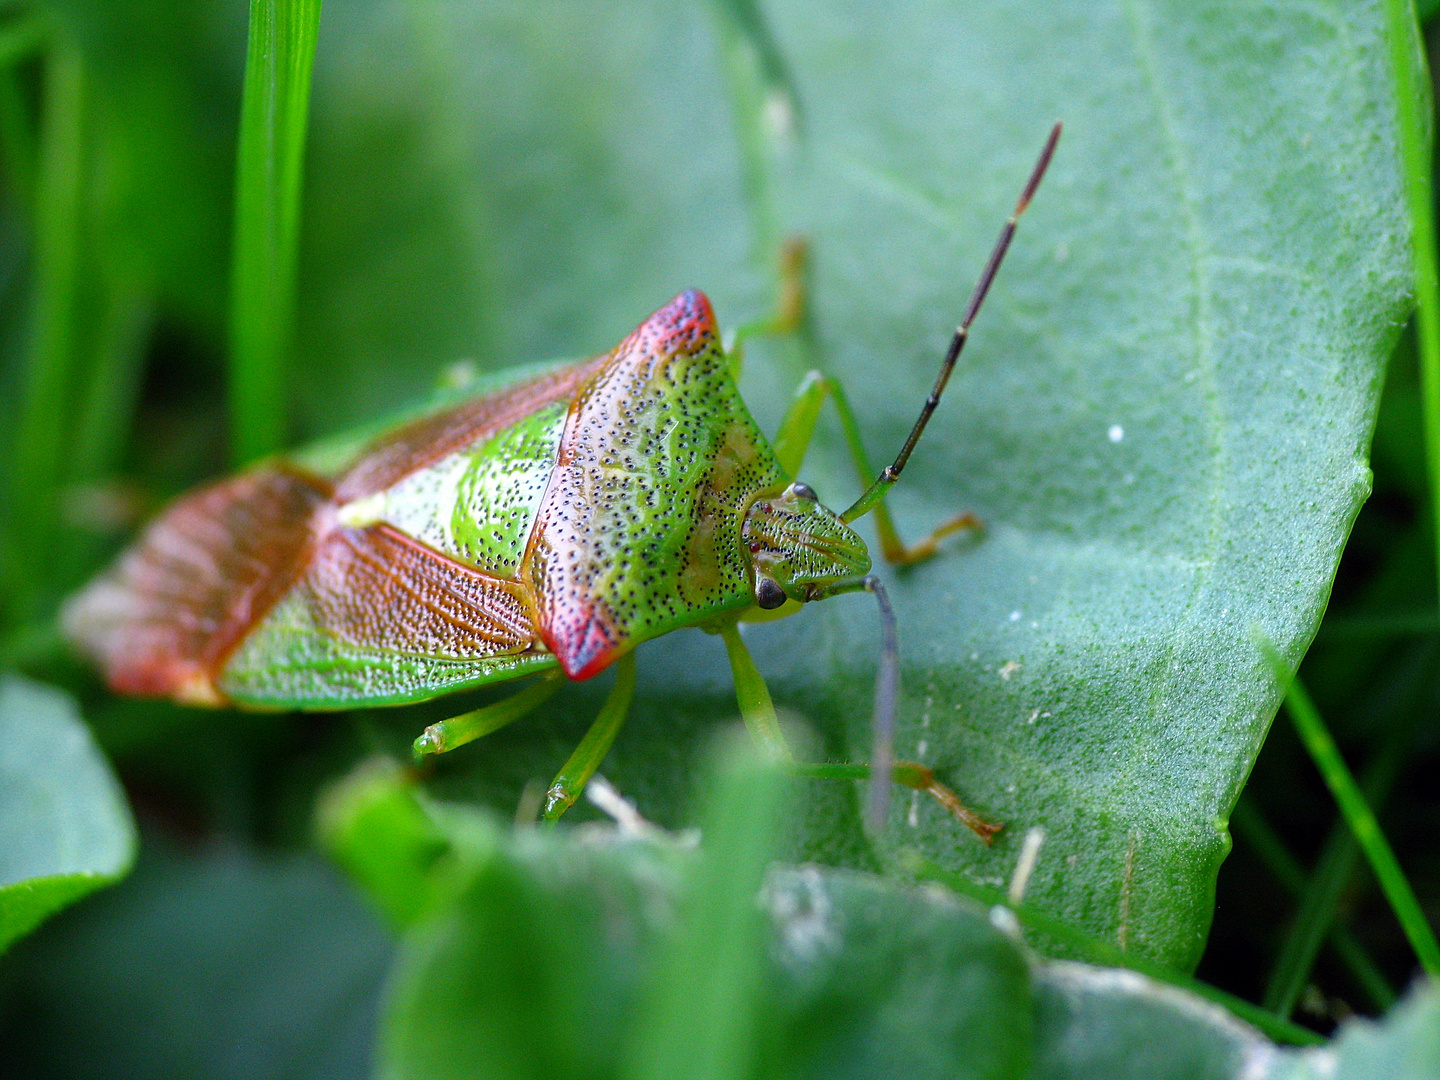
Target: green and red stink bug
544 529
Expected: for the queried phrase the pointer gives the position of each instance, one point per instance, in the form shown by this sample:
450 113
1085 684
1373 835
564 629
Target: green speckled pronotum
545 528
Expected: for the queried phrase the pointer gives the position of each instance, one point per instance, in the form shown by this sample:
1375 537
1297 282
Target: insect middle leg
758 711
793 439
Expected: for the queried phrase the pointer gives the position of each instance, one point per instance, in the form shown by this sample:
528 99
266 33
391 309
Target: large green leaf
613 953
1164 417
1163 413
65 829
1104 1022
218 961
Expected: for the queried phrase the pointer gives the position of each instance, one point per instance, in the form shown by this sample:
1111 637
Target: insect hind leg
459 730
912 775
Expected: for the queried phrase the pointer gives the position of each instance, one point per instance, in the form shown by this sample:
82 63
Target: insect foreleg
570 781
753 696
789 313
793 439
459 730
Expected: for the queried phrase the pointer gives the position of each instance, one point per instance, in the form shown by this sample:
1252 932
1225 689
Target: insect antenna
887 688
876 491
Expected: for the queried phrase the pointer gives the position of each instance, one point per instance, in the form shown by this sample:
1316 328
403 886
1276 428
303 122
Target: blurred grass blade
1358 816
1250 825
107 406
765 108
1413 102
1334 873
17 137
701 1016
1259 834
44 424
278 65
20 39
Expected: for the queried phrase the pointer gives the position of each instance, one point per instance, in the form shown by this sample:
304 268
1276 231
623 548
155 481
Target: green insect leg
459 730
758 712
756 708
570 781
789 313
793 439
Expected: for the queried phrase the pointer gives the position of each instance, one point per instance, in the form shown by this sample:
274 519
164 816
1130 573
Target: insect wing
178 601
259 567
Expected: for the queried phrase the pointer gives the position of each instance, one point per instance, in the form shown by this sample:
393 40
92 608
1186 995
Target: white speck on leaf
1007 669
1116 433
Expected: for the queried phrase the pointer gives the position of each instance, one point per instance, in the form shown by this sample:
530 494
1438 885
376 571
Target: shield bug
542 529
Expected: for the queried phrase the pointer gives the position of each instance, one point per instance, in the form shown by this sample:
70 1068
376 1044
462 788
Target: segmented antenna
876 491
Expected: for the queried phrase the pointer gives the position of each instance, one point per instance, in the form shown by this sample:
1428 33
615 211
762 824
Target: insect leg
459 730
883 767
570 781
912 775
756 708
758 712
793 439
789 313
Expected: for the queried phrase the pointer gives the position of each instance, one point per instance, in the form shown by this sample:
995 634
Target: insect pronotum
545 528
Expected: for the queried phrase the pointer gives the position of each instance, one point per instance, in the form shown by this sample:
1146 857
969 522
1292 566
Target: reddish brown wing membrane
378 587
175 605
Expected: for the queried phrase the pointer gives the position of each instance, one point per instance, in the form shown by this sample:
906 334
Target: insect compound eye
802 490
768 593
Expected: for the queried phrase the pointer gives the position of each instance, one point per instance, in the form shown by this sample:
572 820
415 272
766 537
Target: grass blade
1251 826
273 114
44 421
1413 105
701 1016
21 38
1358 817
1395 708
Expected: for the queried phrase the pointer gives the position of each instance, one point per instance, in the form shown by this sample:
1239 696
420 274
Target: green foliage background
1164 418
